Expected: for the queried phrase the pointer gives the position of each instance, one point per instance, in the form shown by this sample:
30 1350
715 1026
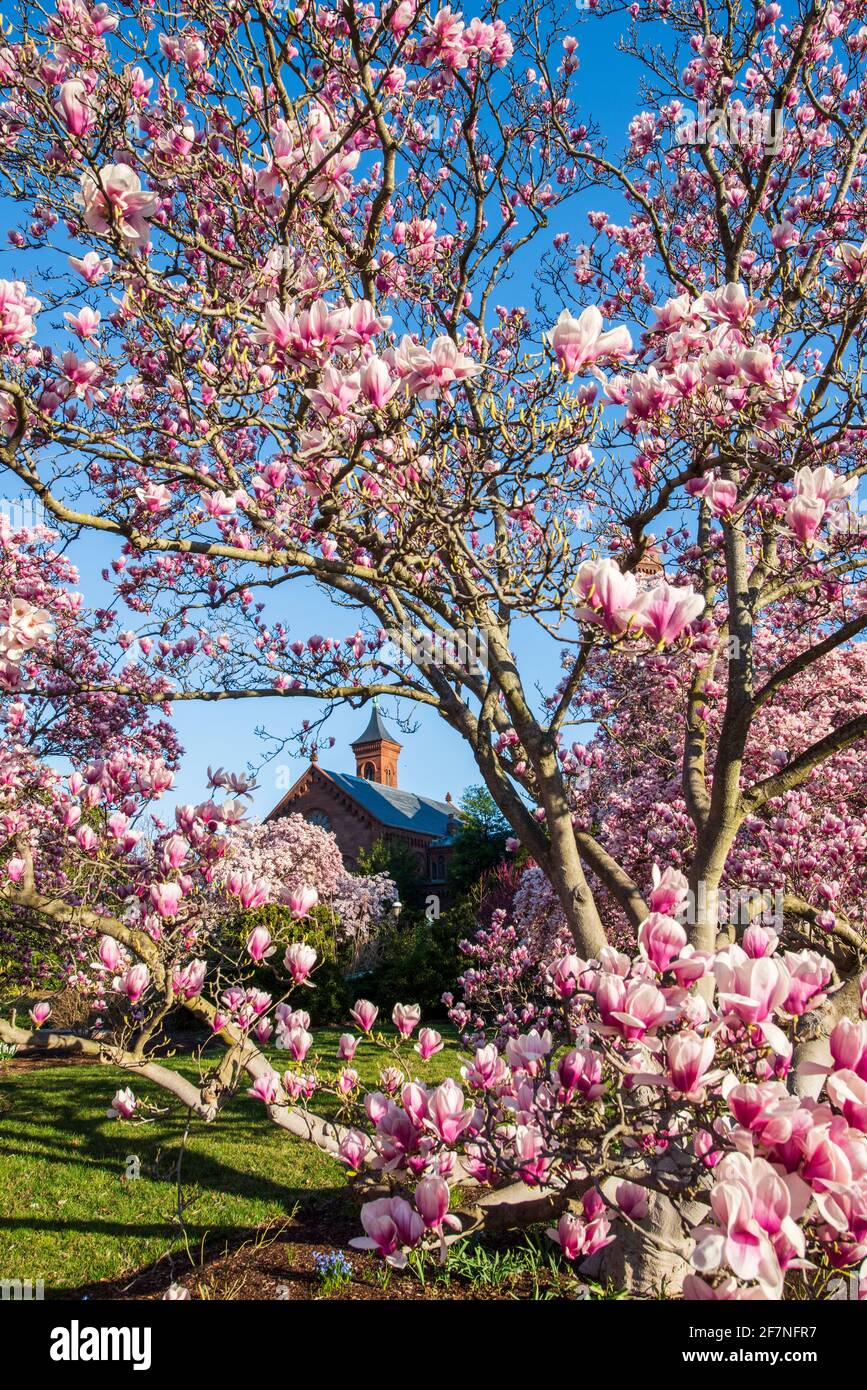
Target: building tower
376 752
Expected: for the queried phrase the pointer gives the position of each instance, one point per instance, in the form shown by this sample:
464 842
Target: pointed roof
376 729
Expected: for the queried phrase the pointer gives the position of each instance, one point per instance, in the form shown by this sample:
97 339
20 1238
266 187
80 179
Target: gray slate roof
399 809
376 729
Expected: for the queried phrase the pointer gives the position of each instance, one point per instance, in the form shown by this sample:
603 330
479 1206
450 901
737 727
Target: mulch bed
35 1060
278 1264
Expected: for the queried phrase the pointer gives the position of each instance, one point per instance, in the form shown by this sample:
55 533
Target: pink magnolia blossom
609 595
486 1069
852 261
299 960
109 953
698 1290
133 982
266 1087
188 981
166 899
302 901
353 1149
569 1233
23 627
729 304
91 267
580 342
666 611
40 1013
429 1042
432 1200
377 383
259 944
528 1051
804 517
823 484
756 1210
430 373
17 314
346 1081
365 1014
669 891
114 200
751 988
123 1105
661 939
689 1058
809 975
391 1225
721 496
446 1114
297 1041
848 1093
631 1199
643 1009
74 108
580 1070
85 323
565 975
848 1044
253 892
405 1017
759 941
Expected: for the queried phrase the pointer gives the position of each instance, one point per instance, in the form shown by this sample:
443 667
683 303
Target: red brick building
370 806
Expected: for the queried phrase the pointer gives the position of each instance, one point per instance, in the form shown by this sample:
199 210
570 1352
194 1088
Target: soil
35 1060
278 1264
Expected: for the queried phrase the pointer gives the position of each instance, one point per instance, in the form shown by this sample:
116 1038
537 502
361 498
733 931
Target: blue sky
434 760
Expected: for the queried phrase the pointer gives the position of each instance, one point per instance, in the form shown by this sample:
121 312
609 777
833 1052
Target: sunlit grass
69 1212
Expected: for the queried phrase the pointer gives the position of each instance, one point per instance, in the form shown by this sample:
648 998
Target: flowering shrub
275 861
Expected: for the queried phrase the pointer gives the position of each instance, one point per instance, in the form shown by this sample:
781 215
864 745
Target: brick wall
354 828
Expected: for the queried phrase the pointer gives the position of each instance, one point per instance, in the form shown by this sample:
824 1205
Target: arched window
319 817
368 772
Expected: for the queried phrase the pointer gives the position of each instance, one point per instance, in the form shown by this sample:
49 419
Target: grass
71 1214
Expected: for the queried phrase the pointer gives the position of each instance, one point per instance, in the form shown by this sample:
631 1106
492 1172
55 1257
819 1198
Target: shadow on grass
57 1146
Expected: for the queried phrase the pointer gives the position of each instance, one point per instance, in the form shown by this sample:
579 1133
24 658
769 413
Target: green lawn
70 1215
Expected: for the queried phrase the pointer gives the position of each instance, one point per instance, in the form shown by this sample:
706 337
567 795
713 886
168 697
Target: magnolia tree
261 332
89 833
802 858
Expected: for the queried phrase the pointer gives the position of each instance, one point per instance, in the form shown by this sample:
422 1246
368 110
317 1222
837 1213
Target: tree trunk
566 874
